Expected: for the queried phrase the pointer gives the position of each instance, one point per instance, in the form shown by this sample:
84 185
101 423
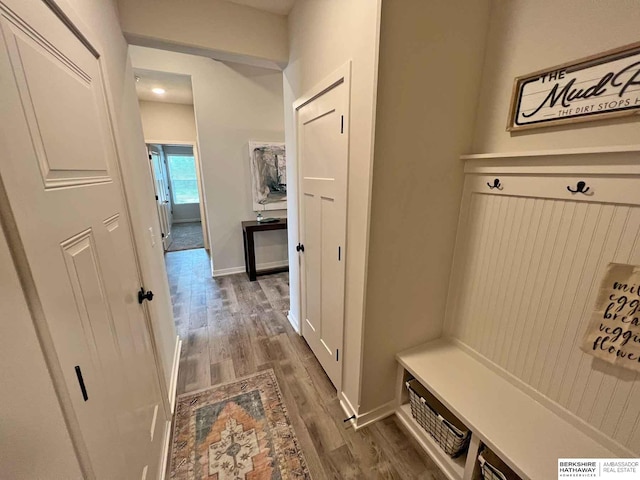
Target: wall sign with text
600 86
613 334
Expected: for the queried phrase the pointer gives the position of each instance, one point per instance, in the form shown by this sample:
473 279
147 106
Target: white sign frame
601 86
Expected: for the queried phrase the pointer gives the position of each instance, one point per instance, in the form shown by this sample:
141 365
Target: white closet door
323 161
60 176
163 198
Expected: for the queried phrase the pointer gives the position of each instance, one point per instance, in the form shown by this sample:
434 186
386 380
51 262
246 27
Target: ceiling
177 87
281 7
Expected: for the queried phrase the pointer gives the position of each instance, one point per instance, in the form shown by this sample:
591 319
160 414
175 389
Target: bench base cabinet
525 435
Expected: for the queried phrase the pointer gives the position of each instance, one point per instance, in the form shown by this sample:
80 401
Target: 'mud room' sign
600 86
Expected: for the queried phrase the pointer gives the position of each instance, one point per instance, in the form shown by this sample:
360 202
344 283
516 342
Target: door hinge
337 354
83 388
150 157
300 248
341 123
162 234
339 253
156 198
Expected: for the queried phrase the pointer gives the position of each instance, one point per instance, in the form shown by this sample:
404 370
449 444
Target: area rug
186 236
236 431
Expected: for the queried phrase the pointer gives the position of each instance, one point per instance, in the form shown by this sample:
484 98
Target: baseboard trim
367 418
164 460
383 411
293 321
187 220
279 263
260 266
222 272
348 409
173 386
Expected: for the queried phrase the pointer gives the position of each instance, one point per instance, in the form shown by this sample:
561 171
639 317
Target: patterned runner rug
237 431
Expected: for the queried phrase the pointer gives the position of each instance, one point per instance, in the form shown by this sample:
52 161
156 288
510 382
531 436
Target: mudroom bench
526 435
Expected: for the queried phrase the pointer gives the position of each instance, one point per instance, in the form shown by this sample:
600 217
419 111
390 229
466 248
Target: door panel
41 70
163 196
59 171
323 157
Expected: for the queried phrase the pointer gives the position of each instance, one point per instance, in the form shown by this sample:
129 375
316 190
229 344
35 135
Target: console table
248 229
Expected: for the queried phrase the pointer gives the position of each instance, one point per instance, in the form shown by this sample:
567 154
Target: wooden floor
232 327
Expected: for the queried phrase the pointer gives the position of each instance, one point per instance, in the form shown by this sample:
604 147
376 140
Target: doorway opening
178 195
168 122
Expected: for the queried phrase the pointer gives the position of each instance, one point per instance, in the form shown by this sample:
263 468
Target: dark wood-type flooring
231 328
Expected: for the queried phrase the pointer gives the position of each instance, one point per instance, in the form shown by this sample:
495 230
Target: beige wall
526 36
233 104
430 65
100 18
324 35
34 442
168 122
213 28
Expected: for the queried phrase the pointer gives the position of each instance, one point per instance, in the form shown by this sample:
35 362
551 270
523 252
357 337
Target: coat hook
580 188
496 184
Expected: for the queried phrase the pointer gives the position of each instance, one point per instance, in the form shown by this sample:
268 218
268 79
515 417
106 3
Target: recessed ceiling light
158 91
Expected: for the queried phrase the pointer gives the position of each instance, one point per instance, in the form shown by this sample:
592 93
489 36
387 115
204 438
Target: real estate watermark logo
599 468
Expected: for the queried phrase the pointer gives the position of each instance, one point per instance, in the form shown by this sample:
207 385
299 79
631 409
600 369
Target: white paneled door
63 204
163 196
323 160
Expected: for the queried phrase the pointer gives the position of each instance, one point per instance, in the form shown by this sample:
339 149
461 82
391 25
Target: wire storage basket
449 432
493 468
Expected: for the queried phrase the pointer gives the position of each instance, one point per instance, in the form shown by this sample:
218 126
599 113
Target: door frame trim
342 75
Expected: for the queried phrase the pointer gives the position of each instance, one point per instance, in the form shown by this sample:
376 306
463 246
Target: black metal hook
142 295
580 188
496 184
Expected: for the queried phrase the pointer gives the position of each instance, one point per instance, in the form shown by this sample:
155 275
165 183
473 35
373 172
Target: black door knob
299 248
142 295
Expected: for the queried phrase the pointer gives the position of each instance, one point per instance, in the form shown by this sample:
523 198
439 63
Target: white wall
213 28
233 104
100 18
431 56
322 37
168 122
528 36
34 442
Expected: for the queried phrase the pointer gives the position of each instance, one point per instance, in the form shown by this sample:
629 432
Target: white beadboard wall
526 274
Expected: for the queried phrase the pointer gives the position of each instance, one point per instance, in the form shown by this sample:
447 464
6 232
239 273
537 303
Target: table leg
251 251
246 251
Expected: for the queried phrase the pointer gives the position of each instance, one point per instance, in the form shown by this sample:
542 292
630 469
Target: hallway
231 328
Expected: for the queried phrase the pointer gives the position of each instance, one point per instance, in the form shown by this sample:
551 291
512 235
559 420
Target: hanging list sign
614 330
604 85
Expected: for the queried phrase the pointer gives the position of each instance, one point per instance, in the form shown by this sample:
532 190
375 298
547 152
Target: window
184 183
